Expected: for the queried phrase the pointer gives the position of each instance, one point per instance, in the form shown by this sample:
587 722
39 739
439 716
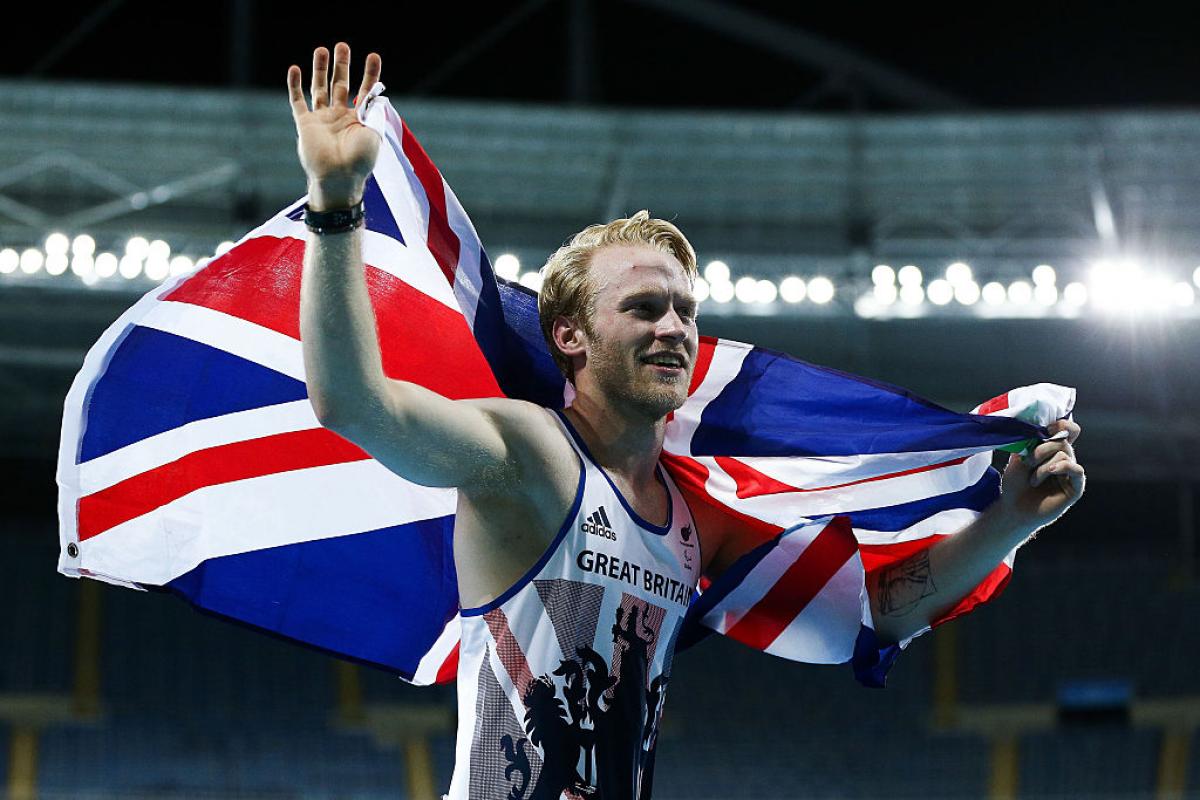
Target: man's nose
671 326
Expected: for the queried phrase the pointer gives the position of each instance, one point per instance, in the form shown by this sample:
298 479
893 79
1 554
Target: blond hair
567 290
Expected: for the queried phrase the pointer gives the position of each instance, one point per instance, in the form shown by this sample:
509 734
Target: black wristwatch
338 220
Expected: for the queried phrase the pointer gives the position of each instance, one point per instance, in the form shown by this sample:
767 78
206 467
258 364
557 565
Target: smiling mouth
669 361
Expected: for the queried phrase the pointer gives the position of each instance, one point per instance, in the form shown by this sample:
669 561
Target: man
576 555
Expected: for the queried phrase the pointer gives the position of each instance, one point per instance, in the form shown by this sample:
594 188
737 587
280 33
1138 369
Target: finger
1072 428
371 72
320 79
1051 467
1047 450
341 75
295 93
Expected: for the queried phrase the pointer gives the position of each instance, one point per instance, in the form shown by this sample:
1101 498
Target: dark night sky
1049 55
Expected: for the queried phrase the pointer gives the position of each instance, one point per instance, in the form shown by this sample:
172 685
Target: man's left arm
906 597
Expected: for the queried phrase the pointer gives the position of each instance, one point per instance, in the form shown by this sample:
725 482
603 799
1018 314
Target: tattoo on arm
904 585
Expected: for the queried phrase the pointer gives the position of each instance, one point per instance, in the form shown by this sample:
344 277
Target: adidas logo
597 524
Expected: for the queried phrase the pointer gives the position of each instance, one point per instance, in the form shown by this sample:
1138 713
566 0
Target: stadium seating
1089 762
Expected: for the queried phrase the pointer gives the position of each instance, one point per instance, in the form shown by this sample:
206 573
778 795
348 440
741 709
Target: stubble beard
626 381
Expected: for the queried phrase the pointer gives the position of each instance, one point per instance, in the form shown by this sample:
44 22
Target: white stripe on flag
943 522
431 662
725 366
765 574
163 448
787 508
824 632
232 334
290 507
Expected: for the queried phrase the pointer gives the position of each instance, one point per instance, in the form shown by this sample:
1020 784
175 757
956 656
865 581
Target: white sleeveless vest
562 678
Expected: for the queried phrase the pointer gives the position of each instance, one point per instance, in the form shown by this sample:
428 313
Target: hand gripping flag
192 461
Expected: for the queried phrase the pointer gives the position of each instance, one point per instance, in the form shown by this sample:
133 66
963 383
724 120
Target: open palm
336 150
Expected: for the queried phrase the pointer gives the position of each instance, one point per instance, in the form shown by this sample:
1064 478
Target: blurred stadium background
899 202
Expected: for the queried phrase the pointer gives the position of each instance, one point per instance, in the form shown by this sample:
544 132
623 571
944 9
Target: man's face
641 336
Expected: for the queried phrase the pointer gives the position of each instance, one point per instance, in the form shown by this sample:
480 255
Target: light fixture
746 290
940 292
508 266
883 274
993 293
957 273
1043 274
1020 292
793 289
910 275
700 290
820 290
716 272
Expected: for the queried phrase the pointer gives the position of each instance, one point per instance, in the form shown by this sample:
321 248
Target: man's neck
622 443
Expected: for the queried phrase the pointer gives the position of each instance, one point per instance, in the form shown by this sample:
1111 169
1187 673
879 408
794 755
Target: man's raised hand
336 150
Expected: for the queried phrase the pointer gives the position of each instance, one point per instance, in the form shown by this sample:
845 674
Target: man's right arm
416 433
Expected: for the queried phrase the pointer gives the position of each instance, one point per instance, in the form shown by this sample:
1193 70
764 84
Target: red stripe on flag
449 668
254 458
752 483
995 404
802 581
420 339
704 358
443 241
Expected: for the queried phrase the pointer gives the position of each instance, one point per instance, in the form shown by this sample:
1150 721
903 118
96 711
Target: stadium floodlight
530 280
83 264
967 293
159 249
910 275
883 275
993 293
746 290
89 279
957 273
940 292
137 247
9 260
721 291
57 263
793 289
700 290
716 272
106 265
83 245
32 260
1020 292
508 266
180 265
130 267
1046 294
1196 276
911 294
1075 294
225 246
820 290
1044 273
1183 294
157 269
767 291
1158 293
57 244
885 293
867 306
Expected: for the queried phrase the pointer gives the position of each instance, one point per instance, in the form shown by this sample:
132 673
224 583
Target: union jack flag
191 459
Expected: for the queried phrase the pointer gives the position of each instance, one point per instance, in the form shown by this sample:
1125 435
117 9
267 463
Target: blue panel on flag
381 597
781 406
157 381
510 336
976 497
379 214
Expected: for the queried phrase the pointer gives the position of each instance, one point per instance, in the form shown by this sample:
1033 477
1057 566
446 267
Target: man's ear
569 336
